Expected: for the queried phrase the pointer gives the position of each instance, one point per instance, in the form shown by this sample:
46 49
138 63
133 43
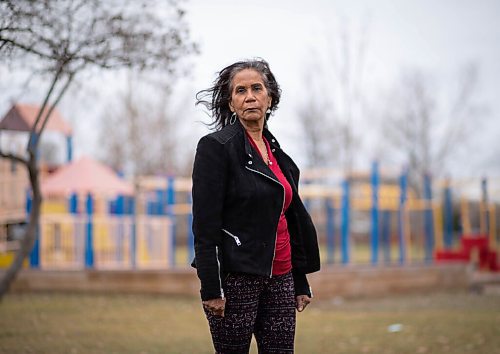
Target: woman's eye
240 90
257 88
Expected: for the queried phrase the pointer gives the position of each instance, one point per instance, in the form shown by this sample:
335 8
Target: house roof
21 117
84 176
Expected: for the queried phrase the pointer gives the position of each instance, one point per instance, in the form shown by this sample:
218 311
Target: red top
282 262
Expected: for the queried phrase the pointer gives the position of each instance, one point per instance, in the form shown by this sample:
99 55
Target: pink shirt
282 263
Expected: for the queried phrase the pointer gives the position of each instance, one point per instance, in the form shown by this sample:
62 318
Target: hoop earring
232 120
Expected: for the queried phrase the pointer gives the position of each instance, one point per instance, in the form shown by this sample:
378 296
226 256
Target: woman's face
249 97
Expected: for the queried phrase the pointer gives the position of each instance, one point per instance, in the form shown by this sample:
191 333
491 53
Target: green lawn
71 323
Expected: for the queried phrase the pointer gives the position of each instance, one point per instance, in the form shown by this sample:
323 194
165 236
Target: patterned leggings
259 305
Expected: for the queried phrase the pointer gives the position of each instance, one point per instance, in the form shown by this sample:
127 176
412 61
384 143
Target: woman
254 240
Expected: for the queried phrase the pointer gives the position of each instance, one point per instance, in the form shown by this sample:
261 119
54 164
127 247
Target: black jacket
237 202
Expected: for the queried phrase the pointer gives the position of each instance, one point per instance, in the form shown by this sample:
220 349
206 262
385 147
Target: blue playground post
171 214
89 242
120 211
428 219
330 229
73 204
403 186
448 217
386 235
35 251
375 181
345 221
69 148
190 235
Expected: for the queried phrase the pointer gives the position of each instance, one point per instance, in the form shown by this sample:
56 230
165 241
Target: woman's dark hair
216 98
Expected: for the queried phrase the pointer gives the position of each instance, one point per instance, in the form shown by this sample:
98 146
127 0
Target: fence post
35 251
448 216
330 229
375 181
345 221
403 186
171 214
89 241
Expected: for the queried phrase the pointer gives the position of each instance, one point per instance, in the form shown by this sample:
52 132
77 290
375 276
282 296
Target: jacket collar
252 160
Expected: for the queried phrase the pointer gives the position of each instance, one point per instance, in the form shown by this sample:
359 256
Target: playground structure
372 218
91 219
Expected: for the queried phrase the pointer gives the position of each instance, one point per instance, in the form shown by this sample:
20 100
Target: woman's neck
254 130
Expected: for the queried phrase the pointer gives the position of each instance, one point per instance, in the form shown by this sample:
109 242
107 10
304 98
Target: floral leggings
259 305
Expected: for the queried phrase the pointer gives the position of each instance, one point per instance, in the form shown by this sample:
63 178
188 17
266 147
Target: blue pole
69 148
345 222
35 251
170 212
89 242
375 181
190 238
330 230
73 203
403 186
448 217
386 235
120 211
428 219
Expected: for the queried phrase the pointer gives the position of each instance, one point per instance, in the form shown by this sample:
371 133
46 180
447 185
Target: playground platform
350 281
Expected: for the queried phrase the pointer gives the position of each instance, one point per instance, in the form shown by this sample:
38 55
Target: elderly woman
254 240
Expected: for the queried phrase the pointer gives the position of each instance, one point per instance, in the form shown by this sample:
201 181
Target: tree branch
14 157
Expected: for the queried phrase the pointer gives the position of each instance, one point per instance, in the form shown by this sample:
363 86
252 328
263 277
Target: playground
76 323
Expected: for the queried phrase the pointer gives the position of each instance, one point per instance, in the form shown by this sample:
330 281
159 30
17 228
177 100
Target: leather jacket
237 202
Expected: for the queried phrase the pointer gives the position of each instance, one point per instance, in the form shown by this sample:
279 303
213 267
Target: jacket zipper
236 238
282 206
218 271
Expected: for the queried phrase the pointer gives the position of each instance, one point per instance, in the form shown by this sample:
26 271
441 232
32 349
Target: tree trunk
30 233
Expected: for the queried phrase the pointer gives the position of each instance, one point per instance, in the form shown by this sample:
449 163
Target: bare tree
426 130
60 39
145 119
334 104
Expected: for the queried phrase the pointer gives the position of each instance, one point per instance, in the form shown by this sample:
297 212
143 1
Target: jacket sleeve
301 284
209 181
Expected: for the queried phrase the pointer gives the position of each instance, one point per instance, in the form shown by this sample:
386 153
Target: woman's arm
209 183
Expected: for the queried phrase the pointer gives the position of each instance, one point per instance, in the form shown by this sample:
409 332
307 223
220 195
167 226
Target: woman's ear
231 107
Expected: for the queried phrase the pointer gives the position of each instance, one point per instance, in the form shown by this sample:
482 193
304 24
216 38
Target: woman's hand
302 302
215 306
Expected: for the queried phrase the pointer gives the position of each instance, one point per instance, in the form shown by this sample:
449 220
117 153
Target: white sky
436 36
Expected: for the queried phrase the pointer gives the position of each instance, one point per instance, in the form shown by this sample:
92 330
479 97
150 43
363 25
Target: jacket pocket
236 238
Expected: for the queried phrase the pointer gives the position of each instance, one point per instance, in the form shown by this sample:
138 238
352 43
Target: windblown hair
216 98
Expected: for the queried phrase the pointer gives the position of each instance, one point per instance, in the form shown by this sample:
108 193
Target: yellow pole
464 206
438 226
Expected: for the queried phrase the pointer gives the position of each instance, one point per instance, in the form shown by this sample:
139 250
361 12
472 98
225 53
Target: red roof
21 117
84 176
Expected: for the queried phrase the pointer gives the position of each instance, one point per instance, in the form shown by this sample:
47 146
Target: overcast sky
438 37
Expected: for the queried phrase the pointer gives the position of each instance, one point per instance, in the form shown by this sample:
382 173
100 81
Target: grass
75 323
